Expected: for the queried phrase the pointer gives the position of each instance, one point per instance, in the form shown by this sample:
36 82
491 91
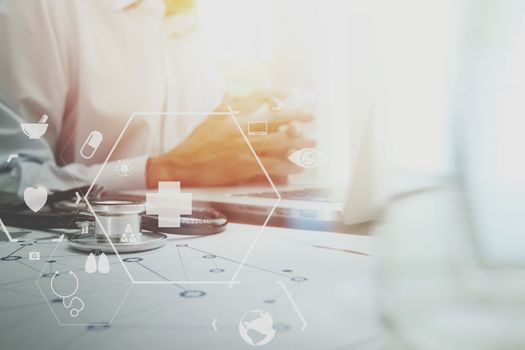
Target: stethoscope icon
74 311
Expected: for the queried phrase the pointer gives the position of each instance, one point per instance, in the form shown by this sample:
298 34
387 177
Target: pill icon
91 144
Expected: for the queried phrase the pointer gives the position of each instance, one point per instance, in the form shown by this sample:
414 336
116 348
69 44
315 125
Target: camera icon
34 255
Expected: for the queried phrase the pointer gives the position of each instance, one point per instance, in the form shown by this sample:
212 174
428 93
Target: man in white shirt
89 65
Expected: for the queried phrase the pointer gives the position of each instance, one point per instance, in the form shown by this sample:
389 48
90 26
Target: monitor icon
258 128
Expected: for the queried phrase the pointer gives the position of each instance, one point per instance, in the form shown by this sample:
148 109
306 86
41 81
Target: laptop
304 206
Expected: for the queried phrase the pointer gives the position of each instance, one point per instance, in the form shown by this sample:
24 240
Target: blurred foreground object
451 269
434 291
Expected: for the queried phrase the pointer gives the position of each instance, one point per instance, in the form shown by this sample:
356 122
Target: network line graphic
105 295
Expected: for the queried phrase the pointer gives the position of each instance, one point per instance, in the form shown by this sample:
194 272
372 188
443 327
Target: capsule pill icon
91 144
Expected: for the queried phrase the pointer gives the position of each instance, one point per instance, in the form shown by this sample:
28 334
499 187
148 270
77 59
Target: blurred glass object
492 127
451 259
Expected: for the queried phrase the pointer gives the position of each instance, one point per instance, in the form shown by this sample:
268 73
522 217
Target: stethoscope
74 311
120 219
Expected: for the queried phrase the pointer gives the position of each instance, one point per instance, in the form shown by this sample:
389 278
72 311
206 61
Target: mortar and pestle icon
35 130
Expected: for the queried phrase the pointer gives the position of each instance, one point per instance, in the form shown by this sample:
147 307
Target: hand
216 153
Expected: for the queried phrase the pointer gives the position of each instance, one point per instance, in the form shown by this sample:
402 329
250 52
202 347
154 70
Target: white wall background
340 56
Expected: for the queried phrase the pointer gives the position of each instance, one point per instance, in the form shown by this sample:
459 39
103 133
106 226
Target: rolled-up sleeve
36 76
26 162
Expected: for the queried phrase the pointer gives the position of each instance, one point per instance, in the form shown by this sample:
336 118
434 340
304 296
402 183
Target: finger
279 144
277 180
280 180
240 168
280 120
294 129
277 120
246 169
249 104
278 168
271 96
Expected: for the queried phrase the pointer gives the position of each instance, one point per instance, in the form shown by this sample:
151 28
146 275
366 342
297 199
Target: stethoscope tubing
64 296
190 226
74 311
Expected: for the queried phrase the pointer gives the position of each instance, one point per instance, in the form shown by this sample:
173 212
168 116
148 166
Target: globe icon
256 327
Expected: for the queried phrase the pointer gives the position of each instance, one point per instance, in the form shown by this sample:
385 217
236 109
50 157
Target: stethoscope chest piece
121 225
120 221
91 242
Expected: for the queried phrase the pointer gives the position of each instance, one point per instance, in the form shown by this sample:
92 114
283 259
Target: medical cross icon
169 204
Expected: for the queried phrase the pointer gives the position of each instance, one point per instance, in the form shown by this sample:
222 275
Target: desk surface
330 288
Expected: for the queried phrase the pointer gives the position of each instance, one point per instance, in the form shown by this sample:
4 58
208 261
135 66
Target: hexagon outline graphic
230 113
294 305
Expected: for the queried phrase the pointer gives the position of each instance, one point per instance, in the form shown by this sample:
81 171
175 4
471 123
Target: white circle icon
256 327
309 158
306 158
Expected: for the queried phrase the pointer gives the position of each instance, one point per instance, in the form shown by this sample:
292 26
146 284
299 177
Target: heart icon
35 198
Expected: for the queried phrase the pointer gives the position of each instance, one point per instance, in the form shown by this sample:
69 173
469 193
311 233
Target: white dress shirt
89 65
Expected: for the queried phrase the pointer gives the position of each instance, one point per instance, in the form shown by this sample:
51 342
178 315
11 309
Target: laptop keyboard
309 194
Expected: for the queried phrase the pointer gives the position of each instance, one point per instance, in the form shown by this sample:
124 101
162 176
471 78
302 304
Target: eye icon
306 158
